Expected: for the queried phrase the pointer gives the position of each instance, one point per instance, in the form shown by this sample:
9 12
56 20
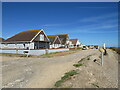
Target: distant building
31 39
55 41
75 43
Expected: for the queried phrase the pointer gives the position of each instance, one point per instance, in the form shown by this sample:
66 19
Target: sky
93 23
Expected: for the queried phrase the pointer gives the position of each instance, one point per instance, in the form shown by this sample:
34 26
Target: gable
74 41
38 37
57 41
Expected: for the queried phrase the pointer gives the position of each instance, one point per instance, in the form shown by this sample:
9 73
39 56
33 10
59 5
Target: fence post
16 51
46 51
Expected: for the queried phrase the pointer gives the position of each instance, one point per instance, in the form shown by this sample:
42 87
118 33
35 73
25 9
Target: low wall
34 52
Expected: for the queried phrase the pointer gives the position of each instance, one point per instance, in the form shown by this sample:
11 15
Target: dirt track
40 72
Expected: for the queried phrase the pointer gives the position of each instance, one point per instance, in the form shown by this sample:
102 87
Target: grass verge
13 55
49 55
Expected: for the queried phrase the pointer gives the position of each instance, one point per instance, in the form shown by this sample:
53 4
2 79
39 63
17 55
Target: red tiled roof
23 36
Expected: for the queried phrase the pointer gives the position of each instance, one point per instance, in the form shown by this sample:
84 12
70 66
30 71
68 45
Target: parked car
84 48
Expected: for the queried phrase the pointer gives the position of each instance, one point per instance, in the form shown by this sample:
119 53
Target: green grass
86 58
68 74
77 65
58 83
65 77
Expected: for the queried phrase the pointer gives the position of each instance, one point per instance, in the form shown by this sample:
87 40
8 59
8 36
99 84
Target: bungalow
54 41
64 39
1 40
74 43
31 39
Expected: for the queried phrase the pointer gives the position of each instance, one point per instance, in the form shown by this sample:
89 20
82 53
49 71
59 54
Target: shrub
77 65
58 83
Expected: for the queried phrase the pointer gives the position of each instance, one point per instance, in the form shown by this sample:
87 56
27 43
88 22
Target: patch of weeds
95 85
58 83
25 55
68 74
77 65
81 60
65 77
88 58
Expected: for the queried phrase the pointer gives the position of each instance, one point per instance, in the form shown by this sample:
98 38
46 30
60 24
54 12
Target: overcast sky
91 23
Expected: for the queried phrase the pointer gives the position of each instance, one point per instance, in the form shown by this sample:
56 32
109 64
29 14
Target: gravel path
93 75
38 72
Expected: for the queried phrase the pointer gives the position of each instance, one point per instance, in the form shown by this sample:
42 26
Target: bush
58 83
77 65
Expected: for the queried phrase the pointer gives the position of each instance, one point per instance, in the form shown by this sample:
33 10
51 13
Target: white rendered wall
34 52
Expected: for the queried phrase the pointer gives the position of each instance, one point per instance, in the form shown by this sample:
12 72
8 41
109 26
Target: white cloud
97 18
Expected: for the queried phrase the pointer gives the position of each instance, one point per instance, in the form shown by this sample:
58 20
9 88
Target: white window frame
42 37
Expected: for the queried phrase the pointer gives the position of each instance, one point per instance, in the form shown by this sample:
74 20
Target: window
41 37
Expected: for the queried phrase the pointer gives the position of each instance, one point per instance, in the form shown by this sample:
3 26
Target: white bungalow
74 43
31 39
64 39
54 41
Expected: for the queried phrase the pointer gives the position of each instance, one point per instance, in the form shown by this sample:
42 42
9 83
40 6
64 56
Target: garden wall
34 52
